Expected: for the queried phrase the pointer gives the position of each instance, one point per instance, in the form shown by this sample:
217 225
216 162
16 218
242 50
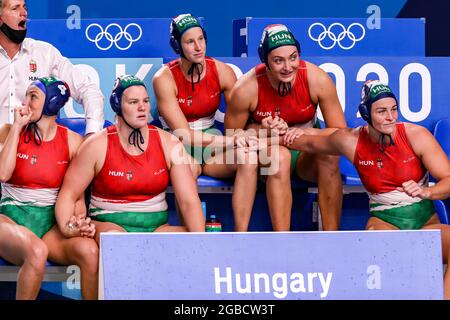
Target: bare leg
324 170
79 251
375 223
244 195
105 227
244 189
22 247
168 228
330 191
278 190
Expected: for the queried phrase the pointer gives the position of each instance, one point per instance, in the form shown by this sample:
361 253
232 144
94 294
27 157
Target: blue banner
219 13
106 38
338 36
271 266
420 84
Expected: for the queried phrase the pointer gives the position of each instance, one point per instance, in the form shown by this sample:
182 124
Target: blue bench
53 273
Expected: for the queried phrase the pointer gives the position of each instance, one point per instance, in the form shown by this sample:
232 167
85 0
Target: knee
328 163
249 169
36 256
87 255
284 163
196 170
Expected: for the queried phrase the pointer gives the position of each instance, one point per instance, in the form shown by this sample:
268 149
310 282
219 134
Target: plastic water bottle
204 209
213 224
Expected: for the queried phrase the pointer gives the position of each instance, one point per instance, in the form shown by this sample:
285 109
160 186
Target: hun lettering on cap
279 35
185 21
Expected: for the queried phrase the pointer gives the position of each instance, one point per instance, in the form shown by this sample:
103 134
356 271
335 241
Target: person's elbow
5 175
231 122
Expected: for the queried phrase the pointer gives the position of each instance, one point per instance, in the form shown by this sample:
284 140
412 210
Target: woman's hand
413 189
22 116
277 125
291 135
82 227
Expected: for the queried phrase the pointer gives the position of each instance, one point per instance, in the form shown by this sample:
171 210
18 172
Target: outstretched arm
329 141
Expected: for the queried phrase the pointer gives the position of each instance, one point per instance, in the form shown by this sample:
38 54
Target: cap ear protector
57 93
275 36
174 39
372 91
363 107
122 83
114 100
179 25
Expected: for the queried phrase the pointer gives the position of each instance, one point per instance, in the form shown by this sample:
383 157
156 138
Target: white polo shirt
37 59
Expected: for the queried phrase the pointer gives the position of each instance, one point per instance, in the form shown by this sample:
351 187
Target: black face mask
16 36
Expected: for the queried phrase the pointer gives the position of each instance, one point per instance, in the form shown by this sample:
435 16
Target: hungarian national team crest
33 159
380 163
33 66
277 112
130 175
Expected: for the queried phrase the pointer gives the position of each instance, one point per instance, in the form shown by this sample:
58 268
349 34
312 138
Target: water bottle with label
213 224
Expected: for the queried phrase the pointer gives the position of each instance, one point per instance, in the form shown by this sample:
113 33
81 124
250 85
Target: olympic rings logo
340 36
113 40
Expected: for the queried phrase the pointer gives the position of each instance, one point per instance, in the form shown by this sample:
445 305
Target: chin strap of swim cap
32 130
195 68
382 141
135 138
284 88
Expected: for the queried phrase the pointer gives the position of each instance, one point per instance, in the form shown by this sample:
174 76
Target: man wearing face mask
23 60
284 91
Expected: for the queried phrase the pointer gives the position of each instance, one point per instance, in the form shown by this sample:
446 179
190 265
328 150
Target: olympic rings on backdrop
336 39
113 39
